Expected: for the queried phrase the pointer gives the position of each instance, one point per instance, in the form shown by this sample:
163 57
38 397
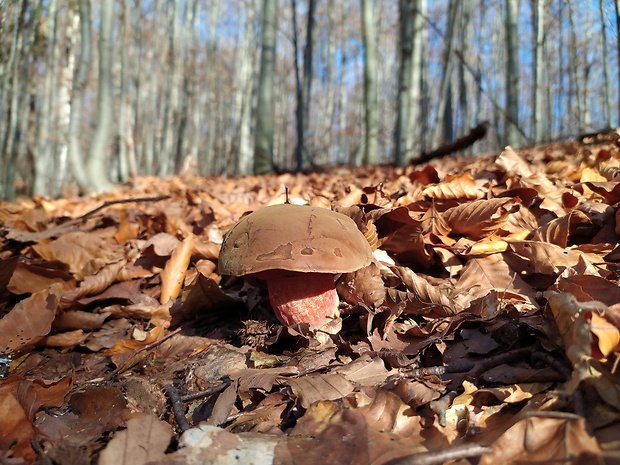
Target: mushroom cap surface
294 238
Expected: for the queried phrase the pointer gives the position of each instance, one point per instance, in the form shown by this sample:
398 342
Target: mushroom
297 250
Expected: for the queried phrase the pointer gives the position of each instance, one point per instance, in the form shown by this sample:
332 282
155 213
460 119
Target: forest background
95 92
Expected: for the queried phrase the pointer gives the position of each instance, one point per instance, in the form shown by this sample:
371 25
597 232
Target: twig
438 457
129 362
186 396
177 407
497 360
460 367
107 203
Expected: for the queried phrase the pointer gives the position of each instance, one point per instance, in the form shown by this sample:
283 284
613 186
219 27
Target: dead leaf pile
487 329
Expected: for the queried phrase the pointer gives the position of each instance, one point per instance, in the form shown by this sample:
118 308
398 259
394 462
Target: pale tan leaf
544 440
173 274
311 389
456 187
145 440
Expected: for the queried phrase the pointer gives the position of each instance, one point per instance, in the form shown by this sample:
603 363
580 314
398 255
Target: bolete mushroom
297 250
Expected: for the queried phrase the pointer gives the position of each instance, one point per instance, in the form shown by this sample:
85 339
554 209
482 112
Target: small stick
497 360
177 407
442 456
193 395
107 203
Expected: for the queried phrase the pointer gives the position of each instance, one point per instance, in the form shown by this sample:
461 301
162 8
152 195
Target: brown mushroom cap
294 238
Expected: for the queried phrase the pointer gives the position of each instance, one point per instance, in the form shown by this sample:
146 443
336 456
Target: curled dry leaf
420 296
173 274
480 218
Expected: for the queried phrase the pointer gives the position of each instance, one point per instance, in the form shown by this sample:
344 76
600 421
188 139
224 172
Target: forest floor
487 330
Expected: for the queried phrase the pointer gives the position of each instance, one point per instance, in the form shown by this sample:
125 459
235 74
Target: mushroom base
304 298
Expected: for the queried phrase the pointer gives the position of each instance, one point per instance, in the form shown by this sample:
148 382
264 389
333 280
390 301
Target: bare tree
76 158
538 22
406 10
97 169
443 120
419 87
303 86
617 5
605 58
263 145
371 148
43 159
511 119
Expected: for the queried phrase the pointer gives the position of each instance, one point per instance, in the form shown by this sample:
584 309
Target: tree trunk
43 153
127 155
243 104
511 119
263 145
11 134
75 155
371 102
442 131
617 5
324 132
98 171
538 118
406 10
418 97
604 59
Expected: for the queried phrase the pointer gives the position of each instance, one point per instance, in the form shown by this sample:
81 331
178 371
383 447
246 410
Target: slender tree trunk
307 86
406 12
326 152
299 113
243 98
127 155
98 171
263 145
371 101
76 157
343 155
538 118
511 120
442 131
617 5
43 153
418 98
168 153
605 58
9 149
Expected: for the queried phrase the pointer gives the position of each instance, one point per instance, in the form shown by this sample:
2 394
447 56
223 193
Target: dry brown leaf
480 218
145 440
28 321
457 187
16 430
482 275
544 440
420 297
34 277
316 388
174 273
558 231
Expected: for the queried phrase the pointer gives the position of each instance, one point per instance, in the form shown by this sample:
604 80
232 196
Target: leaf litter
486 330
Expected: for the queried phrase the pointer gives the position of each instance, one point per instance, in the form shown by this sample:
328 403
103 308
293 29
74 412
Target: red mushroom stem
303 297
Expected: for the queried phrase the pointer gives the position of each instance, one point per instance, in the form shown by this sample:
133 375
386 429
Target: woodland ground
486 331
